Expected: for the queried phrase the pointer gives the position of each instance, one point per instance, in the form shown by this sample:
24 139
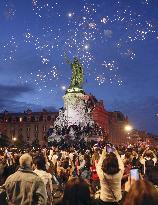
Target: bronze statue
77 73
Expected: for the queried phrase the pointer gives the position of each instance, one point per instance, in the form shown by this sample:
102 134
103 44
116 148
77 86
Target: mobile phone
110 149
134 174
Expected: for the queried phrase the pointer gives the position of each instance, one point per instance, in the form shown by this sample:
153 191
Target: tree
4 140
35 143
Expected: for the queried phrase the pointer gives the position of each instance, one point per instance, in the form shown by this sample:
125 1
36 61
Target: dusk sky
116 41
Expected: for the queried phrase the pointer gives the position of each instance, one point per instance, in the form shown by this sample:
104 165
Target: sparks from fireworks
84 32
9 50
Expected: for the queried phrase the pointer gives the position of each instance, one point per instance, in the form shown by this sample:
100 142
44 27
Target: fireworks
9 50
89 32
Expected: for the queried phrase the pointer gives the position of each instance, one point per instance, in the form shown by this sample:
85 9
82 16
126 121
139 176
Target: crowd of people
82 173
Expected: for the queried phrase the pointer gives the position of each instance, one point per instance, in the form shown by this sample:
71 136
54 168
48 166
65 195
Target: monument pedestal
75 111
75 118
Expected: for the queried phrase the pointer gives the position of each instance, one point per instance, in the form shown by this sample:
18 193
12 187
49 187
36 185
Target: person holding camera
110 169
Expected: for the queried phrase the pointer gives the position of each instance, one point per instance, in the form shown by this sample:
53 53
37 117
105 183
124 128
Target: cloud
9 102
13 91
9 95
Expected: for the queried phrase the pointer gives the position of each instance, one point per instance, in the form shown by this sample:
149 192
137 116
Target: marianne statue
77 73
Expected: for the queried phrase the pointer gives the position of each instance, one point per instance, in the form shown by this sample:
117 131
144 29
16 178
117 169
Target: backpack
85 173
94 174
49 194
3 196
64 175
149 164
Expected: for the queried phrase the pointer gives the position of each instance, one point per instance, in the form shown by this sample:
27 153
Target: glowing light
70 14
86 47
128 128
63 87
14 139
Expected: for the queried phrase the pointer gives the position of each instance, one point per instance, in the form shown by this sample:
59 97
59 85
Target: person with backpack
63 170
148 160
40 170
154 175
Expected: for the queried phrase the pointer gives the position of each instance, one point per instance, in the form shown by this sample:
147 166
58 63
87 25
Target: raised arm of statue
67 59
77 72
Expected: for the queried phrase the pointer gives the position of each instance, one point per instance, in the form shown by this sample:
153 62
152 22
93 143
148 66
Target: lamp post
14 140
128 128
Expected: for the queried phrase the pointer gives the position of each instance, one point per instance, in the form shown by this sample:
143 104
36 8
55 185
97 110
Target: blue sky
116 41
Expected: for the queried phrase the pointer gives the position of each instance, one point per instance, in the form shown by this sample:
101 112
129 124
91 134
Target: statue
77 73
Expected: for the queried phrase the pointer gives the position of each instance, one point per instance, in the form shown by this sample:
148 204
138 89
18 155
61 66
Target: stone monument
76 115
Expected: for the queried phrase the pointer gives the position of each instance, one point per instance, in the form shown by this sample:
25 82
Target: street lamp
14 140
128 128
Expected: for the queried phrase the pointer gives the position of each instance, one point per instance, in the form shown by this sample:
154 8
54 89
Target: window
36 118
20 130
44 128
28 129
41 118
36 135
25 119
32 119
28 136
49 118
36 127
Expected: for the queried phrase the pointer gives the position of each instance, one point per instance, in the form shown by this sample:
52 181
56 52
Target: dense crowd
79 173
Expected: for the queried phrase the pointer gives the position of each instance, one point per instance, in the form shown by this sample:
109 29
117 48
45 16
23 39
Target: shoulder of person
10 178
96 202
59 202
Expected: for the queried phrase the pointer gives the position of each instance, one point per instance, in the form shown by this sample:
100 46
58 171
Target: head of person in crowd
96 155
87 160
149 154
65 163
76 192
141 193
25 161
110 164
134 154
128 155
39 162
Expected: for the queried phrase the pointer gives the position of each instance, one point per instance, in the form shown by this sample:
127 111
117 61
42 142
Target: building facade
117 123
28 127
